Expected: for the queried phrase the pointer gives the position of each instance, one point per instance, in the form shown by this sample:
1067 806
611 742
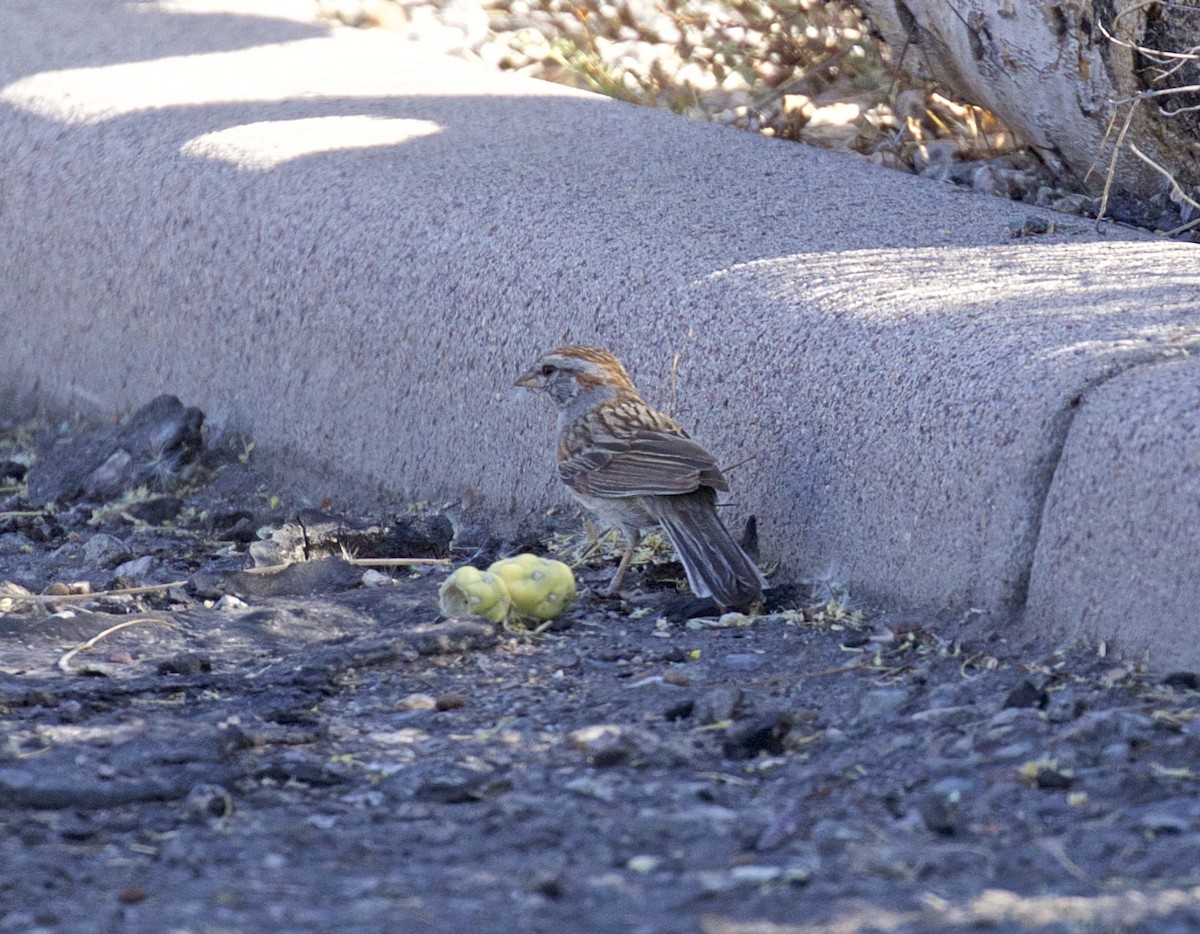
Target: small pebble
743 661
103 550
881 702
137 569
717 705
417 702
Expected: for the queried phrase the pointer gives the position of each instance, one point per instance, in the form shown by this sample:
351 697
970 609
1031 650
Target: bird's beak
528 380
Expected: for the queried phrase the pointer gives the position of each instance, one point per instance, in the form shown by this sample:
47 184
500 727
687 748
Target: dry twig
1176 191
96 595
394 562
65 662
357 562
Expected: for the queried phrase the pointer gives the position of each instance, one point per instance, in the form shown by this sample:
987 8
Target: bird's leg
632 539
593 541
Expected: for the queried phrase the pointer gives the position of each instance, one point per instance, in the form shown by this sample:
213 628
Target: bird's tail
716 565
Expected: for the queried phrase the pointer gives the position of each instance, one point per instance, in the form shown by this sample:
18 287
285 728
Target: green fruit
472 592
541 588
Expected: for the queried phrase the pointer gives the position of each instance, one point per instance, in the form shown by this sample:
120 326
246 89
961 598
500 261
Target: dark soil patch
318 754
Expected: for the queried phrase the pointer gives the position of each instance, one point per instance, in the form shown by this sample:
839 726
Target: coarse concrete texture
924 397
1117 546
348 246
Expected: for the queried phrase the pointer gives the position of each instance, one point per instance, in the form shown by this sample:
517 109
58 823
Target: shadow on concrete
47 36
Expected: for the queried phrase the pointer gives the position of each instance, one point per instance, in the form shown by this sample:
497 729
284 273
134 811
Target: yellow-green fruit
540 587
472 592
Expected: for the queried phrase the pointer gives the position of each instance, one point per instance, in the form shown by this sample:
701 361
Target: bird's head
572 374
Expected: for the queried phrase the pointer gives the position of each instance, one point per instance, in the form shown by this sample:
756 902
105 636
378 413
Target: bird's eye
548 370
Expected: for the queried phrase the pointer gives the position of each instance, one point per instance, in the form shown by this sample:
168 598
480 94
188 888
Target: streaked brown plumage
634 467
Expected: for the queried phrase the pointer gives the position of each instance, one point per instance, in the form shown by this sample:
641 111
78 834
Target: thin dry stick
71 597
1162 92
742 463
65 662
674 384
839 670
357 562
1126 43
394 562
1176 190
21 513
1112 165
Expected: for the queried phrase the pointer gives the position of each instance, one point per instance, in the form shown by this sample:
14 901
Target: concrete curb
348 245
1116 550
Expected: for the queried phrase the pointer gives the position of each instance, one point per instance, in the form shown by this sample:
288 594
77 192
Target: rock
717 705
588 787
831 836
136 570
1163 822
105 551
322 576
606 745
455 635
235 526
460 786
15 543
185 663
1013 752
1183 680
12 470
760 734
157 509
270 553
755 875
1026 694
154 447
947 695
1051 777
209 802
10 749
643 863
785 827
1095 726
1065 704
880 703
743 661
939 813
948 716
1004 719
952 787
373 578
1117 753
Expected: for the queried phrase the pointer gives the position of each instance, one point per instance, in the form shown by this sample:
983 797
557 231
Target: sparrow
635 468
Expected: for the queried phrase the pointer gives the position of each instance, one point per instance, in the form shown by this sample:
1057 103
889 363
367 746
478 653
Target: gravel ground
316 749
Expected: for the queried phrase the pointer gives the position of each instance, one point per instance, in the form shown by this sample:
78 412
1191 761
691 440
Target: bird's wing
641 463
